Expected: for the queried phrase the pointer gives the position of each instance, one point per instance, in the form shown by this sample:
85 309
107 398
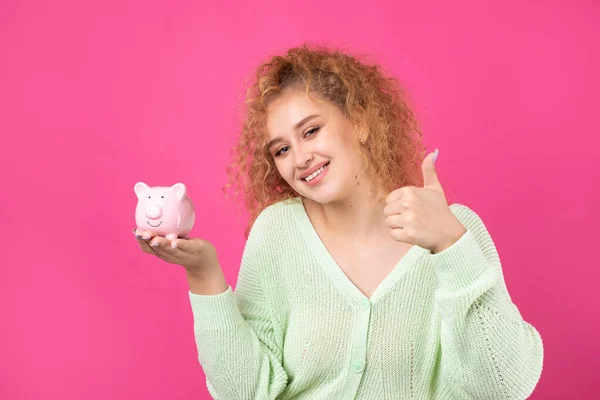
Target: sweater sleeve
239 342
487 350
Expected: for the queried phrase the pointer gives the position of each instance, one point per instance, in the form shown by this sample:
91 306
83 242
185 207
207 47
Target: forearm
488 348
238 347
238 337
211 283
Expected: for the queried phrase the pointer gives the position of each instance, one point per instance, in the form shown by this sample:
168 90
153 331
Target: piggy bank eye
148 196
162 197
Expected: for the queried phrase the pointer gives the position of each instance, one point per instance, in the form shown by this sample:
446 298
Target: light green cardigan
440 326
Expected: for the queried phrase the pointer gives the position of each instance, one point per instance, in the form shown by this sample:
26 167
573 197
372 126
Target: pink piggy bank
166 211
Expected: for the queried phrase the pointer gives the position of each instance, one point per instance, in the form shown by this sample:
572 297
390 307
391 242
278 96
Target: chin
323 196
330 191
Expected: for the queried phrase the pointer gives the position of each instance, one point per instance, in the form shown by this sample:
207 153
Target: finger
395 221
397 207
395 195
400 235
157 241
148 235
138 235
143 243
162 246
186 245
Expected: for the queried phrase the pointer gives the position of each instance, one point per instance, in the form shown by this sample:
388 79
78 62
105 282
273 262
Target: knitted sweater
439 326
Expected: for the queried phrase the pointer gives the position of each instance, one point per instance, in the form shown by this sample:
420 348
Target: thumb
430 178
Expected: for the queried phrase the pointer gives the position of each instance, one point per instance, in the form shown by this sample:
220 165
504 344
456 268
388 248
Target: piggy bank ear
140 188
179 189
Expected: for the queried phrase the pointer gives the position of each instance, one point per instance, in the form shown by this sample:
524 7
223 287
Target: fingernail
154 244
173 245
146 237
437 151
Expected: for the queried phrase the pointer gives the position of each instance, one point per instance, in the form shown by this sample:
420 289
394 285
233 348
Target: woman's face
322 137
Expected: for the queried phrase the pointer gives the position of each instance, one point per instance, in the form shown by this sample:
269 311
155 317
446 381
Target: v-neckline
336 273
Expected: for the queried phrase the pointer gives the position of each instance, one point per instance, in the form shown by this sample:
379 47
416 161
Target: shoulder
477 229
467 216
282 211
274 221
269 238
459 209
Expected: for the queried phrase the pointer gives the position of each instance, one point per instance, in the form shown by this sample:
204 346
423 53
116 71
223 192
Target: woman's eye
311 131
279 151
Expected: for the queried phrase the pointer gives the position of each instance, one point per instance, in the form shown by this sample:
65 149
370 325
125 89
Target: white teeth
314 174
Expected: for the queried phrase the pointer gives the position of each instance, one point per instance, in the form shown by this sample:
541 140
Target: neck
357 217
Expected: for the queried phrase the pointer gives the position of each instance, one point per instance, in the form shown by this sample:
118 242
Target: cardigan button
365 304
358 366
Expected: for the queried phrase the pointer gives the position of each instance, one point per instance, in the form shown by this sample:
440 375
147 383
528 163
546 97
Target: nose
302 158
154 211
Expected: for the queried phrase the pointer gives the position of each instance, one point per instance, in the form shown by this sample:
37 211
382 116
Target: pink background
96 96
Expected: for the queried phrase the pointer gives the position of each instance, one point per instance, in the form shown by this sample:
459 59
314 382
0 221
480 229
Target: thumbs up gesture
421 216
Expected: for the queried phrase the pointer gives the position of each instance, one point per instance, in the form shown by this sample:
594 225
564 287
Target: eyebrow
298 125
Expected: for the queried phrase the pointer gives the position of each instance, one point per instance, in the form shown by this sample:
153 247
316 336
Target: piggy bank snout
154 211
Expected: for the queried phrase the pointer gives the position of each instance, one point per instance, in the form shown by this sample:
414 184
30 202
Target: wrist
453 239
210 283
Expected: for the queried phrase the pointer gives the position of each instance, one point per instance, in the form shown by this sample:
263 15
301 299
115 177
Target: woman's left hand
421 216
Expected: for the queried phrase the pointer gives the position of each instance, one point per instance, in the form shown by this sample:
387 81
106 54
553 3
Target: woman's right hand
197 256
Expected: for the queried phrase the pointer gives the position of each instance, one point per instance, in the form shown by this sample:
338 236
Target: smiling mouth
324 165
154 226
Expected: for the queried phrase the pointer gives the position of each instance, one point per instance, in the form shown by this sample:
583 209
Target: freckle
357 183
355 176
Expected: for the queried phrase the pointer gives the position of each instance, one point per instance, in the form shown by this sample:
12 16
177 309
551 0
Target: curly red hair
374 103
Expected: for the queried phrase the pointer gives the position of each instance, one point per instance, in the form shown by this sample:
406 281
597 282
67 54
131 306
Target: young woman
357 280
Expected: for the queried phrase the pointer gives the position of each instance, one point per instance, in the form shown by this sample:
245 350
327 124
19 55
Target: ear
140 188
179 189
363 131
